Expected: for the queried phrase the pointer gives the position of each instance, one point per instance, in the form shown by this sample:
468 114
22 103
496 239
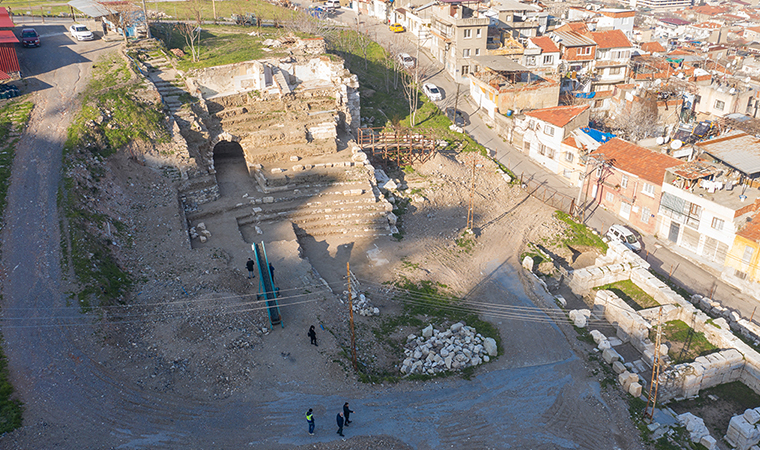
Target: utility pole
655 383
147 24
470 211
351 315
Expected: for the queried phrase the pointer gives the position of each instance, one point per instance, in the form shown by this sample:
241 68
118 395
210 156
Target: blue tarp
598 136
584 94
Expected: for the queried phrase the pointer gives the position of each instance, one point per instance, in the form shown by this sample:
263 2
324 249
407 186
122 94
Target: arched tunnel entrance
231 169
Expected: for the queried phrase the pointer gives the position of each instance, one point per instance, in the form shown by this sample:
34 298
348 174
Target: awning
7 37
90 8
5 19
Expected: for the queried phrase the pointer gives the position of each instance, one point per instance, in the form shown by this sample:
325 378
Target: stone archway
231 168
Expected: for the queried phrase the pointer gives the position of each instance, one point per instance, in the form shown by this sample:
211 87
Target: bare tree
639 120
123 13
191 29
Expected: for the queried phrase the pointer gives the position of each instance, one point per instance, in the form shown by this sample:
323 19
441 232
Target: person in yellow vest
310 420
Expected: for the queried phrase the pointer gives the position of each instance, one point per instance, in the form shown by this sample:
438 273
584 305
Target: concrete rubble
697 430
362 305
437 351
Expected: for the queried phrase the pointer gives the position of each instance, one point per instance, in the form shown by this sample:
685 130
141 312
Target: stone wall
232 78
686 380
629 325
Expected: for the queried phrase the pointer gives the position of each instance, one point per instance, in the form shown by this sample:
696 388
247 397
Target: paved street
697 278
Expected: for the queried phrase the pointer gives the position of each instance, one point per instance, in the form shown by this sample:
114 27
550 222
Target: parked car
459 117
619 233
81 33
432 92
396 27
406 60
30 37
332 4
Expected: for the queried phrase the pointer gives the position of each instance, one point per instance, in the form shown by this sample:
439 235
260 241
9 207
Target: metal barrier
548 195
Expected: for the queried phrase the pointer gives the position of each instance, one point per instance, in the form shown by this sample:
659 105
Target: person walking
249 265
339 418
271 272
312 335
347 413
310 420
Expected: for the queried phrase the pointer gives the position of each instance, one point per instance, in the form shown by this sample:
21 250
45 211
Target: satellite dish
675 145
659 140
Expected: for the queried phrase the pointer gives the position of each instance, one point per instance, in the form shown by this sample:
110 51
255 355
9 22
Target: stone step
350 230
316 216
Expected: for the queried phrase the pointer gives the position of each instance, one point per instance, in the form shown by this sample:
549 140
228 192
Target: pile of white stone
200 232
697 430
744 430
580 317
454 349
362 305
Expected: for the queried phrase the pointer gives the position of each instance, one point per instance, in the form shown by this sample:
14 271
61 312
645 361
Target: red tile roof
610 39
710 10
4 76
653 47
571 142
752 230
755 29
578 27
546 44
5 19
706 25
644 163
559 116
7 37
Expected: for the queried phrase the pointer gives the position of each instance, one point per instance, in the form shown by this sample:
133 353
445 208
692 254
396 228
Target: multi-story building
541 54
545 129
458 34
616 19
613 54
661 5
578 53
627 179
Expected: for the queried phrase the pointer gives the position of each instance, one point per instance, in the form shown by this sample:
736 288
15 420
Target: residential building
517 20
578 53
653 47
742 266
546 129
541 54
502 85
661 5
458 35
574 150
616 19
752 34
728 96
627 179
613 54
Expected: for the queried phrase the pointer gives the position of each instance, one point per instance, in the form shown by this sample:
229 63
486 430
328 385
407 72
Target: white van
332 4
619 233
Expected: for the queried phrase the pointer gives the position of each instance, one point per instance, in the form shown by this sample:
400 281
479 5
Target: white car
81 33
406 60
619 233
432 92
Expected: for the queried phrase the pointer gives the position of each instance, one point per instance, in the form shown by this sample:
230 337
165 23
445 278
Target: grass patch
686 344
10 409
425 303
112 116
631 294
579 235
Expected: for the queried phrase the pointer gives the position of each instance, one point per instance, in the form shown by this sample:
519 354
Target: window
599 172
467 34
602 54
465 70
645 214
720 104
624 182
541 149
648 189
532 124
477 53
569 156
477 68
567 172
550 153
717 223
466 53
530 61
614 70
477 33
549 130
748 252
584 51
610 198
548 59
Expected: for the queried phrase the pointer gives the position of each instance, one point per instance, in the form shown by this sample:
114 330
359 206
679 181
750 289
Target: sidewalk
686 271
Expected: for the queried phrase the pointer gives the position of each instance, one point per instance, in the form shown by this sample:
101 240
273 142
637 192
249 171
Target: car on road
406 60
30 37
459 118
332 4
396 27
619 233
432 92
81 33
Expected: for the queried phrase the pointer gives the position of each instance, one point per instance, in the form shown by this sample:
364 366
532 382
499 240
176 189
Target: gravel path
539 395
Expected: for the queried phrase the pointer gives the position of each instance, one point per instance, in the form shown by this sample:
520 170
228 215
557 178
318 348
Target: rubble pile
697 430
362 306
744 430
200 232
454 349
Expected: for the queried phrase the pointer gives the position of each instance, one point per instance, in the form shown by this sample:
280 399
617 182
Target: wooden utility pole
655 383
470 212
351 315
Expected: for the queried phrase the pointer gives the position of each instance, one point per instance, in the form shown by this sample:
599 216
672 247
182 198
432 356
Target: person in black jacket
312 335
346 413
249 266
339 419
